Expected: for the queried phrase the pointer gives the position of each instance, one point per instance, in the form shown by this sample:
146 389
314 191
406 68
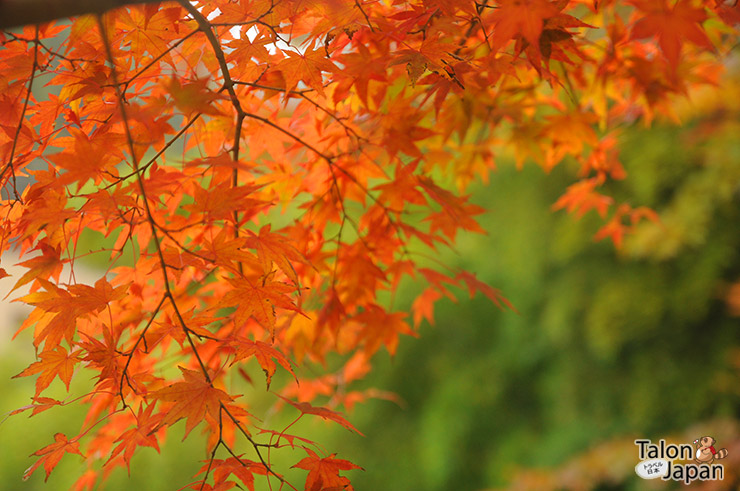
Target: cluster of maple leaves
177 133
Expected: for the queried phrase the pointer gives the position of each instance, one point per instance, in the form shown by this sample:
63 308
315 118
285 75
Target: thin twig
34 67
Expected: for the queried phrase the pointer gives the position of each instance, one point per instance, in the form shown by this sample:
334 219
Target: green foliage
607 343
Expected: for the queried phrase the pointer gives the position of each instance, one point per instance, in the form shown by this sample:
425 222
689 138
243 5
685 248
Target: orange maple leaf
264 353
475 285
582 197
56 362
194 399
43 266
521 18
306 67
57 309
41 405
381 327
258 301
194 97
138 436
275 248
242 468
306 408
100 160
323 473
52 454
672 25
423 306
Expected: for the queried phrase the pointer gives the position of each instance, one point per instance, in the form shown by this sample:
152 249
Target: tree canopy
260 177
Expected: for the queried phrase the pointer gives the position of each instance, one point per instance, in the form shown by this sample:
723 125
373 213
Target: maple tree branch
15 13
235 173
167 145
369 24
157 59
53 54
142 189
276 89
181 246
332 165
256 447
423 28
215 447
336 254
207 29
130 355
34 67
153 226
347 129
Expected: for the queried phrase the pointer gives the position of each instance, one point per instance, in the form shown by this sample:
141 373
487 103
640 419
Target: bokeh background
607 346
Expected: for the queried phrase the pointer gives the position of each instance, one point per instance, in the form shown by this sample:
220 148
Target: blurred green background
607 346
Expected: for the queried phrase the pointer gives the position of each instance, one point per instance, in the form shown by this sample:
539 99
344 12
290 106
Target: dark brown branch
16 13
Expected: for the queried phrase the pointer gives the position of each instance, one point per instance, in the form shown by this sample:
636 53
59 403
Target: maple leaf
51 454
381 327
403 189
306 67
245 49
98 162
193 399
672 25
361 68
275 248
258 301
338 15
604 159
306 408
41 404
615 229
582 197
475 285
265 354
194 96
141 435
220 201
438 280
323 473
244 469
44 266
227 251
54 363
57 310
521 18
433 54
423 306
